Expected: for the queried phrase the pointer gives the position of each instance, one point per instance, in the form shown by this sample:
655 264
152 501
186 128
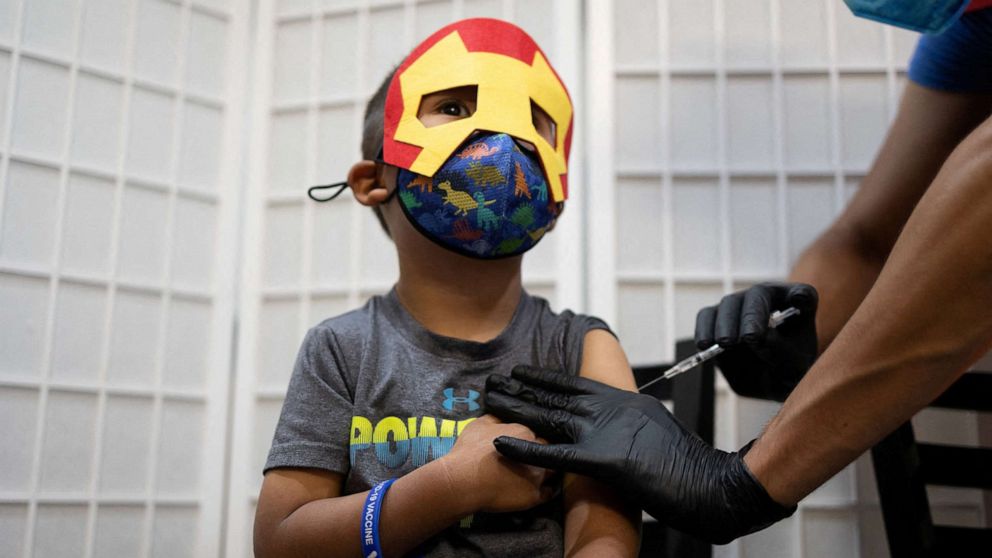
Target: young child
465 149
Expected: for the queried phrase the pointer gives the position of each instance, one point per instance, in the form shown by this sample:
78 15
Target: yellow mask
510 72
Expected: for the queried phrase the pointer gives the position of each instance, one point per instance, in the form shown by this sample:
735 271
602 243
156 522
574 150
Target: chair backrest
693 397
904 467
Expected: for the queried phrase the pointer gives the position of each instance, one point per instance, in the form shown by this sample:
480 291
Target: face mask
489 200
932 16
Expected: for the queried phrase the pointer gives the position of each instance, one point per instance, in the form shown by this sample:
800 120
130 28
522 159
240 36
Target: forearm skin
922 324
842 273
845 261
332 527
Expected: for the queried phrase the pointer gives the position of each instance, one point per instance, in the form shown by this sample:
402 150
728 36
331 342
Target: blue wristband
370 520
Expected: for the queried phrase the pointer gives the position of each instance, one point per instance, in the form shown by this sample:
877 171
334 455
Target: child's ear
365 181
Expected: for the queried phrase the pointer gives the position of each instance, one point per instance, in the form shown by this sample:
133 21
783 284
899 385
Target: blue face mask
489 200
925 16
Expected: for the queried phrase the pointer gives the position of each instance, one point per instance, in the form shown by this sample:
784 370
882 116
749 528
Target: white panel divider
600 234
53 286
241 478
158 248
85 322
728 155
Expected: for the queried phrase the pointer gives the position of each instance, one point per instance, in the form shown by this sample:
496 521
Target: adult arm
598 521
924 321
921 325
301 512
844 262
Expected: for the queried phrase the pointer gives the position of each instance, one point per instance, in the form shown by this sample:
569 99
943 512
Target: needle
695 360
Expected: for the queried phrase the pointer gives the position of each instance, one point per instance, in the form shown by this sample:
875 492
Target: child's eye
449 105
543 123
454 108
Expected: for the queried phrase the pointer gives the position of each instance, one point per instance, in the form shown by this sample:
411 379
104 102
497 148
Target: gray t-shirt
374 395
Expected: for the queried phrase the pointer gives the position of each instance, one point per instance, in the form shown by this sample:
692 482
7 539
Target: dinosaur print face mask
488 200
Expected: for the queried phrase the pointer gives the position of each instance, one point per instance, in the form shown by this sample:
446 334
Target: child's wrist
461 484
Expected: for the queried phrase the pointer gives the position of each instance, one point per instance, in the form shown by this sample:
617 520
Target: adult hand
632 442
760 361
493 482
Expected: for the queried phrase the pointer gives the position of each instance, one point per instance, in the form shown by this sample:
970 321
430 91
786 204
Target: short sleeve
959 59
573 340
313 428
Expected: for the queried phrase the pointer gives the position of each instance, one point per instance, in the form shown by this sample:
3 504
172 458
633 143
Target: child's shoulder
564 320
355 322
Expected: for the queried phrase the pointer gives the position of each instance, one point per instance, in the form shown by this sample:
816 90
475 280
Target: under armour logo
450 399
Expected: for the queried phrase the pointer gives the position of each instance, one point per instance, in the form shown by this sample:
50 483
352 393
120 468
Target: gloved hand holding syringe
774 320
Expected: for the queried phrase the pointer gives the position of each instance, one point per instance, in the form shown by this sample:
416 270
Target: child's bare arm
301 511
598 522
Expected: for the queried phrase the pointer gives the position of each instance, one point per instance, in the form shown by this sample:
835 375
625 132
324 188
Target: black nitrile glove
632 442
759 361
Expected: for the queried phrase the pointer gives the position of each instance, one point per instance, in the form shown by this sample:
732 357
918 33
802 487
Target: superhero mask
511 76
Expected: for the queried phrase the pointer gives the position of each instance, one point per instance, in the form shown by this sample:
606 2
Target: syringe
688 364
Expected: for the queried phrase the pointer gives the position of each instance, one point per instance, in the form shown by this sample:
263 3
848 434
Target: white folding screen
724 136
115 274
160 262
737 130
318 62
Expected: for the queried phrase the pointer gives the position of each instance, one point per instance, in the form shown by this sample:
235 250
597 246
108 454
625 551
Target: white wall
154 156
116 251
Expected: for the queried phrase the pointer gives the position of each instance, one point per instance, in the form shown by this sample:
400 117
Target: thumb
804 297
563 457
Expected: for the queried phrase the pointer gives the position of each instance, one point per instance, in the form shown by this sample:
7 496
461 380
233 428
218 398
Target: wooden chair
693 397
903 469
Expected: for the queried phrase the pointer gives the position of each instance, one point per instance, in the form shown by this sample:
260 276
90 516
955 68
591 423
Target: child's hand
492 482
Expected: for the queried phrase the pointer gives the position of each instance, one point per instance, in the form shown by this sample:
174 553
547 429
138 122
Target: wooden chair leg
905 508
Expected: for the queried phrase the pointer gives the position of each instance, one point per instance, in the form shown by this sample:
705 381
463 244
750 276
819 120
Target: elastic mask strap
341 186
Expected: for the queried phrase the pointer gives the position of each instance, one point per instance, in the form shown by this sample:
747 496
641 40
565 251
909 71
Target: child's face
437 109
476 142
518 93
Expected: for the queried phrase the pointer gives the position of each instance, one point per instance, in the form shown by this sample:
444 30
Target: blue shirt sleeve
959 59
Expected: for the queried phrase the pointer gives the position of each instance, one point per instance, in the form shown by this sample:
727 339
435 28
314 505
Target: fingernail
801 297
751 332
